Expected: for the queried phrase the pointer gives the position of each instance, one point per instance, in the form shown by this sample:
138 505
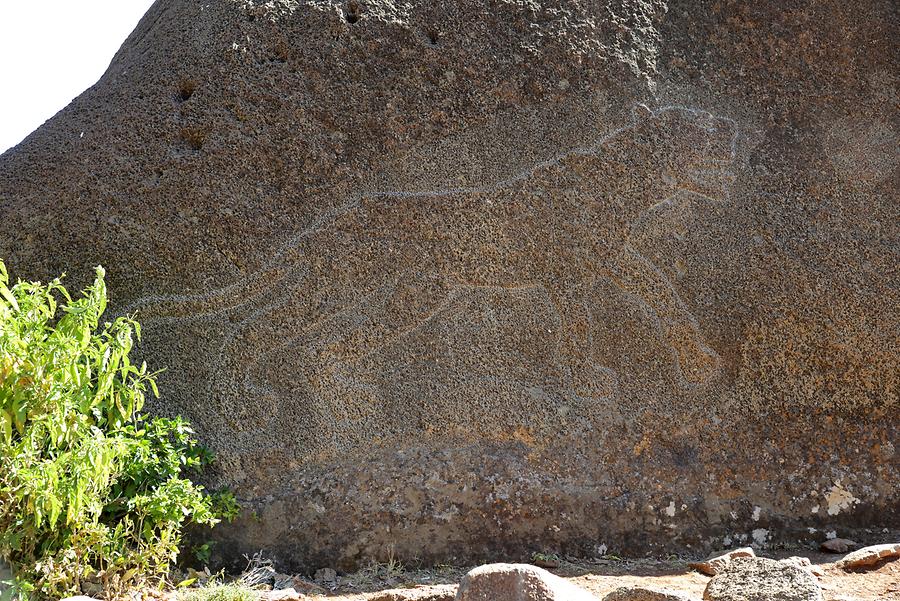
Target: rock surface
719 561
804 563
761 579
325 575
517 582
283 594
640 593
470 279
838 545
868 556
424 593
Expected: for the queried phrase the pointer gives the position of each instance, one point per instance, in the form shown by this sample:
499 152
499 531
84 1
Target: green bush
92 493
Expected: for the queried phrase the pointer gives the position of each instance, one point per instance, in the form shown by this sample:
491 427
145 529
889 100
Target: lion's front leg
696 361
586 376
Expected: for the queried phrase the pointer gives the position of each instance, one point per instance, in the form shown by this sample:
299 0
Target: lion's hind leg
696 362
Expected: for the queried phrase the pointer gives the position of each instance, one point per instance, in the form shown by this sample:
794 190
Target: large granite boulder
869 556
761 579
642 593
719 561
517 582
472 279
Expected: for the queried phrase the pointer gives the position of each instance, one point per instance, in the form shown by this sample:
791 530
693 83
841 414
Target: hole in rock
353 13
193 137
280 53
186 89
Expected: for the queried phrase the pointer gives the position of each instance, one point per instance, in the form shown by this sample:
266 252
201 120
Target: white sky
51 51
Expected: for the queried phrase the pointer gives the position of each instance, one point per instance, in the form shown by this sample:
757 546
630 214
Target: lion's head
688 149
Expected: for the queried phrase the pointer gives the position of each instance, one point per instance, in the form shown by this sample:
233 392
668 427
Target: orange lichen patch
642 446
523 435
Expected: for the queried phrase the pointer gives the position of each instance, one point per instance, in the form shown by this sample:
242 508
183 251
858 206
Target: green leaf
55 507
4 291
6 423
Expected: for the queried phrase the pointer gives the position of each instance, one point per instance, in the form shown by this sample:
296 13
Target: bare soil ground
882 583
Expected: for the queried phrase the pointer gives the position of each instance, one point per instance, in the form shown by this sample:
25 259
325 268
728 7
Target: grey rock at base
517 582
762 579
641 593
794 560
281 594
428 275
440 592
719 561
325 575
838 545
868 556
804 563
282 581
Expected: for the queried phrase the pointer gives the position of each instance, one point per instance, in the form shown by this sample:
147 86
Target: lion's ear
641 112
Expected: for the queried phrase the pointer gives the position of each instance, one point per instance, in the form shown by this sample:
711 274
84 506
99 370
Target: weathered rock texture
468 279
719 561
444 592
761 579
517 582
837 545
869 556
640 593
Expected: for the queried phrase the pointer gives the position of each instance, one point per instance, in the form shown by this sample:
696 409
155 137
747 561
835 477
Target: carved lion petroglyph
387 273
